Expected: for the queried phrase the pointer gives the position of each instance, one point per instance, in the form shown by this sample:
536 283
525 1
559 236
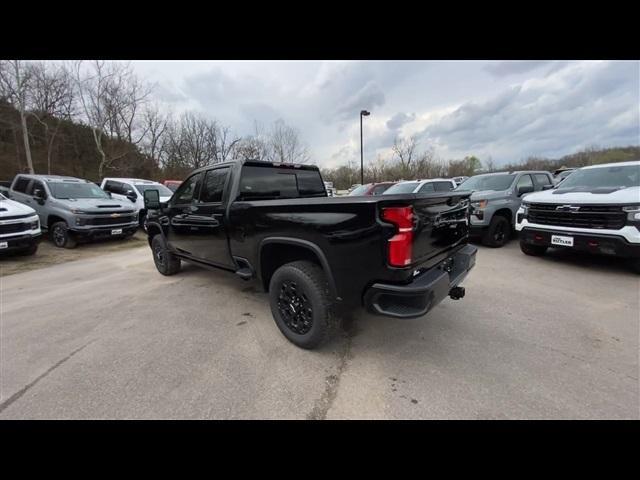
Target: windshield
64 190
614 176
407 187
361 190
487 182
162 190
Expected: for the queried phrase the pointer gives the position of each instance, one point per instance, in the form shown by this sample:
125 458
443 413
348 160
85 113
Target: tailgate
440 223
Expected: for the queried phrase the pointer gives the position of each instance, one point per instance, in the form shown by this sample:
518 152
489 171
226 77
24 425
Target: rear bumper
19 242
425 291
585 242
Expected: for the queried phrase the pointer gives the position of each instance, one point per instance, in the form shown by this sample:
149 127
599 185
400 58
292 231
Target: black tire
533 250
635 265
497 233
61 236
166 262
300 303
30 250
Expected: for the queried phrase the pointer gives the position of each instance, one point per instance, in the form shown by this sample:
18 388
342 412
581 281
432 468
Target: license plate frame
561 241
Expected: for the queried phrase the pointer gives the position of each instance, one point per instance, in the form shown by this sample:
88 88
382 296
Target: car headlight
525 207
75 210
479 203
34 223
633 212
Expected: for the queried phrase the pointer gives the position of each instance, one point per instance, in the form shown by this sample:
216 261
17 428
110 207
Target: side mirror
151 199
522 189
131 195
38 194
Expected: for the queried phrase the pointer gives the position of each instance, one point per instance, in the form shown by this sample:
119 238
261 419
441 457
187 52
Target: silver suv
496 199
72 209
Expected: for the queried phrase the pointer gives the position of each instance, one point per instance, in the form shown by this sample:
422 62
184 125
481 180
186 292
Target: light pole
363 113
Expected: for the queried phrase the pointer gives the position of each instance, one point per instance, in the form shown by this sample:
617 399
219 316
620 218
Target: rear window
263 183
405 187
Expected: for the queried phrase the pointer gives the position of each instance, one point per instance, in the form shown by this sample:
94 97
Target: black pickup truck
396 255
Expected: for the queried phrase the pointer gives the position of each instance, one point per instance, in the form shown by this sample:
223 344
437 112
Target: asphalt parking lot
108 337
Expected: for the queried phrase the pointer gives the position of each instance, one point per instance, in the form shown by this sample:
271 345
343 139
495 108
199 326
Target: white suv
595 209
132 189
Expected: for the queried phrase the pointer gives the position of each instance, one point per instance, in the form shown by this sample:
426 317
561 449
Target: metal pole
361 154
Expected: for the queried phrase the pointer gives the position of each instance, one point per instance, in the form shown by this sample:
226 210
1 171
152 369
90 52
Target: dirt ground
48 254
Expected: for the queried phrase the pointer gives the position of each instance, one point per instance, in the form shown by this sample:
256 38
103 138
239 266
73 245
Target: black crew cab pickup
396 255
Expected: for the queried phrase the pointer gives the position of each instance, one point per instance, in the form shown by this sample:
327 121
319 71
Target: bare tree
51 100
254 147
156 126
286 145
404 149
226 144
15 79
111 96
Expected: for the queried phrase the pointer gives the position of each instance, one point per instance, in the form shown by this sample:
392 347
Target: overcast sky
506 110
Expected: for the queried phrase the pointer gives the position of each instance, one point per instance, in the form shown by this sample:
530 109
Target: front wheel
166 262
61 236
498 232
635 265
300 303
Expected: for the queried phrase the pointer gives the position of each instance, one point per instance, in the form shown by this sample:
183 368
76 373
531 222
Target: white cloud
507 110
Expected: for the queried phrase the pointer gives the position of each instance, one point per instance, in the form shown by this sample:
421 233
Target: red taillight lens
400 245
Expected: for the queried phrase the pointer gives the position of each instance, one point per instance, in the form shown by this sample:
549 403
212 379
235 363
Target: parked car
329 188
560 176
422 186
172 184
495 201
459 180
596 209
371 189
73 209
132 190
398 255
19 227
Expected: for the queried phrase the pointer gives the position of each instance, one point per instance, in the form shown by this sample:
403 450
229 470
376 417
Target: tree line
408 161
92 119
96 119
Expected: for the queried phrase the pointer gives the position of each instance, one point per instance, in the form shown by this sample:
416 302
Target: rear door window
524 181
443 186
427 187
379 189
542 179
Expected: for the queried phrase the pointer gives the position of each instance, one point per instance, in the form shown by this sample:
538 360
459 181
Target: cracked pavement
108 337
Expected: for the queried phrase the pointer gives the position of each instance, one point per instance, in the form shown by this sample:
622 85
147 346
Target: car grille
586 216
14 228
110 220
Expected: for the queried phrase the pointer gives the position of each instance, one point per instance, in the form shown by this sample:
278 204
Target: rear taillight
400 245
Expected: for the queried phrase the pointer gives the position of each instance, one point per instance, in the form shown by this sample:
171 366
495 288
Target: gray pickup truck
72 209
496 199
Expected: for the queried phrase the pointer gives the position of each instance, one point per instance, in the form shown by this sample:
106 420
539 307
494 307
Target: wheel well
53 219
152 231
506 213
274 255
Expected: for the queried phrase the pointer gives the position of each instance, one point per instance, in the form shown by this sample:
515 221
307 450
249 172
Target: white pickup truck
19 227
596 209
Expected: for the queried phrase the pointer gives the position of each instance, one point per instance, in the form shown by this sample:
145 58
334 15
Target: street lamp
363 113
